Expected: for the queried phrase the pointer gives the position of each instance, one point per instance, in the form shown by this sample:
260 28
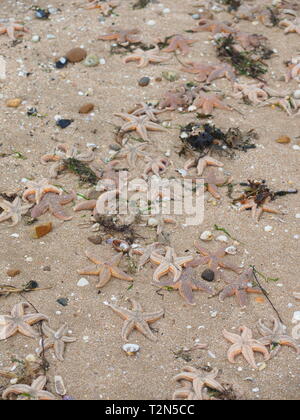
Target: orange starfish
53 203
36 190
202 70
202 164
155 165
208 25
139 124
122 36
146 57
179 42
258 209
11 26
207 103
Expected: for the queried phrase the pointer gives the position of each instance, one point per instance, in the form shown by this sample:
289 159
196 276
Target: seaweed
141 4
232 4
86 174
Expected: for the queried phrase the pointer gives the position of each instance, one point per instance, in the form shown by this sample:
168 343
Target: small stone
61 63
42 14
63 301
91 61
171 76
144 81
83 282
14 103
95 239
13 272
50 36
31 358
196 16
115 147
47 268
131 349
206 236
222 238
284 140
42 230
64 123
296 147
86 108
35 38
152 222
208 275
268 228
151 22
255 390
76 55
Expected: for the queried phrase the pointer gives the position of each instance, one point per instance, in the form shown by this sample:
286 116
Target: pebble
144 81
13 272
206 236
284 140
296 147
102 61
42 230
297 94
86 108
95 239
35 38
76 55
151 22
296 317
42 14
14 103
83 282
63 301
152 222
91 61
255 390
64 123
171 76
50 36
61 63
268 228
208 275
222 238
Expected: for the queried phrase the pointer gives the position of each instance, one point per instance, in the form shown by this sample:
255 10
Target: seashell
14 103
206 236
131 349
296 332
60 388
91 61
296 317
152 222
231 250
283 140
296 295
222 238
120 246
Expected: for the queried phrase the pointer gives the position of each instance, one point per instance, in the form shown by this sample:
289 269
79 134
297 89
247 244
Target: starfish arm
90 271
247 352
86 205
16 390
234 351
136 306
212 383
157 258
231 267
233 338
122 312
285 340
8 330
94 259
185 376
144 328
27 330
153 316
228 291
46 396
104 277
186 291
47 344
161 271
183 260
34 318
127 328
242 297
142 131
59 349
119 274
258 347
202 285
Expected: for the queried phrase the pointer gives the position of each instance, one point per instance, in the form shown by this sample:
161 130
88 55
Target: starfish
258 209
146 109
212 181
64 151
244 344
32 392
146 57
214 260
202 70
13 211
220 71
36 190
202 164
139 124
276 336
132 153
53 203
208 25
161 221
199 381
145 253
137 319
291 27
110 178
187 282
107 203
155 165
288 104
55 339
173 100
207 103
20 322
105 269
185 392
240 288
254 92
122 36
12 26
179 42
293 73
248 41
167 263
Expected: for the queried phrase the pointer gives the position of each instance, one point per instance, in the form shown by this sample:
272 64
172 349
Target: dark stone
42 14
61 63
144 81
63 301
208 275
64 123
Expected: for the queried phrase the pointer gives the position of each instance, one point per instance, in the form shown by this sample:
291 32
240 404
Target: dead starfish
145 253
240 288
179 42
169 263
185 392
208 25
173 100
13 210
220 71
12 26
137 319
20 322
139 124
258 209
155 165
122 36
202 163
288 104
244 344
55 339
201 70
146 109
36 190
32 392
105 269
276 336
248 41
187 282
199 381
253 92
212 182
207 103
161 221
291 27
214 260
293 73
131 153
53 203
146 57
64 151
110 178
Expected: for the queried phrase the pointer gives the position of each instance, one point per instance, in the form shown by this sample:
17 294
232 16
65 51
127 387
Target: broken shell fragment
206 236
131 349
296 295
60 388
120 246
42 230
231 250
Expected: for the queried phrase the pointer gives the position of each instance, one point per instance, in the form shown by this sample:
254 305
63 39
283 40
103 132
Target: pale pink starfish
258 209
53 203
179 42
220 71
173 99
254 92
55 339
248 41
12 26
202 163
291 27
131 153
293 72
139 124
146 109
36 190
13 210
207 103
122 36
156 165
146 57
35 391
288 104
201 70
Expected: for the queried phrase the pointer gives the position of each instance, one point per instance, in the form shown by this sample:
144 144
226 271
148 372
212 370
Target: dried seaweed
141 4
31 286
122 49
86 174
232 4
111 225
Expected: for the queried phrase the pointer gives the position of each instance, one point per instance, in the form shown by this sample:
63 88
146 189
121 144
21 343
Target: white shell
152 222
131 349
222 238
296 317
206 236
60 388
231 250
297 94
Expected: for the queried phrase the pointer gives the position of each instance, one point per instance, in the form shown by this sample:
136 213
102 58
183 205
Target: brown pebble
86 108
284 140
14 103
47 268
42 230
144 81
13 272
76 55
95 239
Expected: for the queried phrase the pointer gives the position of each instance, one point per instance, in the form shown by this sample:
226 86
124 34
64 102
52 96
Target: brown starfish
291 27
131 153
13 210
179 42
155 165
169 263
202 163
276 336
105 269
145 253
173 100
212 181
220 71
253 92
32 392
146 57
249 41
20 322
214 260
201 70
137 319
139 124
207 103
122 36
53 203
12 26
240 288
55 339
258 209
244 344
199 381
208 25
36 190
187 282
